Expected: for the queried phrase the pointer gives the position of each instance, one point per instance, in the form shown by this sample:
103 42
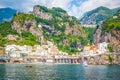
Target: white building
102 47
90 50
16 50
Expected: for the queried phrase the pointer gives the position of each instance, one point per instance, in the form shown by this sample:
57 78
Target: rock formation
112 37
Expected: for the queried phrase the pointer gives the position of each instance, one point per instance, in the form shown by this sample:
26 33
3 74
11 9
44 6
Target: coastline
56 63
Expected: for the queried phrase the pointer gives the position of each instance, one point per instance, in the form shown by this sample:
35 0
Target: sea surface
59 72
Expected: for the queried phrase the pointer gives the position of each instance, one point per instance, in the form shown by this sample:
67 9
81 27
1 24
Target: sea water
59 72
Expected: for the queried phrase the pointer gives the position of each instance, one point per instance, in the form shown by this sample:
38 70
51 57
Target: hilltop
98 15
6 14
47 24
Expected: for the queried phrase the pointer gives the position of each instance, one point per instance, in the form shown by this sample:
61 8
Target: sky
74 7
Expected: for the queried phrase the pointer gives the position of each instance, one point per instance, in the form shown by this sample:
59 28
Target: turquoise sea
59 72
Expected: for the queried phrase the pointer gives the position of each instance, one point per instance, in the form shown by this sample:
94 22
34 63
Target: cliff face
41 12
21 25
109 31
112 37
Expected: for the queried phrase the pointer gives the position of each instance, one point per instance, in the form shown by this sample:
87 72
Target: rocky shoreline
104 59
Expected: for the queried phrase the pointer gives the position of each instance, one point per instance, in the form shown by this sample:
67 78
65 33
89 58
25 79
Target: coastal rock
103 59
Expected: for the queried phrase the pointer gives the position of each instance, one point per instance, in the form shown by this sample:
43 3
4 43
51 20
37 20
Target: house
16 51
53 51
114 17
90 50
11 37
94 50
102 47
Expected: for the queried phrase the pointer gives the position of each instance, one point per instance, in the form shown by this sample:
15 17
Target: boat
28 66
85 64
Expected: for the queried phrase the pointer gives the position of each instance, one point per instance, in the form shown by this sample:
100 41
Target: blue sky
73 7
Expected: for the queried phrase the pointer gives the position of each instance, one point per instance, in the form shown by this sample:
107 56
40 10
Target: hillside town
49 53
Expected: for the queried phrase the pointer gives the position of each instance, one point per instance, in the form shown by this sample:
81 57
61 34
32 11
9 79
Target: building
11 37
16 51
90 50
102 47
114 17
53 51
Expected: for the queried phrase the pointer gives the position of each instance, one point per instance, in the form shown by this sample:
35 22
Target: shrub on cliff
110 48
110 58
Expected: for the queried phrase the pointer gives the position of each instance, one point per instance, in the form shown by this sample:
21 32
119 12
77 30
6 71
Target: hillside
44 24
6 14
109 31
25 38
98 15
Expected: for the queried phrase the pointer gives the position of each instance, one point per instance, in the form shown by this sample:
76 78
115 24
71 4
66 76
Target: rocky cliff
109 31
54 25
41 12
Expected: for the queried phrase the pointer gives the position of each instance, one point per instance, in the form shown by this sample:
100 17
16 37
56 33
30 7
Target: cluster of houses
92 50
34 52
50 53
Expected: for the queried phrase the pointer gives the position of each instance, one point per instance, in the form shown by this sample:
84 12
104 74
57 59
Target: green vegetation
5 29
58 10
68 49
110 58
110 48
67 43
22 17
42 8
2 42
29 39
59 22
70 46
89 33
97 15
112 23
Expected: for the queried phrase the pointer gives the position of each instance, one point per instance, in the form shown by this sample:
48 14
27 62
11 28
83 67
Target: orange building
90 50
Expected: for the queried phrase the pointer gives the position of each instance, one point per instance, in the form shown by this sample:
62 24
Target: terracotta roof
92 47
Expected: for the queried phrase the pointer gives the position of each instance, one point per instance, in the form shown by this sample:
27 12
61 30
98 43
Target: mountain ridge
6 14
98 15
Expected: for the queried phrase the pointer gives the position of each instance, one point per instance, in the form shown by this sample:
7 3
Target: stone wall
102 59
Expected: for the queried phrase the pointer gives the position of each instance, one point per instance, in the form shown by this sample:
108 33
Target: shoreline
56 64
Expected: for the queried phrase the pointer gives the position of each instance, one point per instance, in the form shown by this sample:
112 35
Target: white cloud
61 3
75 11
88 5
28 4
92 4
73 7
